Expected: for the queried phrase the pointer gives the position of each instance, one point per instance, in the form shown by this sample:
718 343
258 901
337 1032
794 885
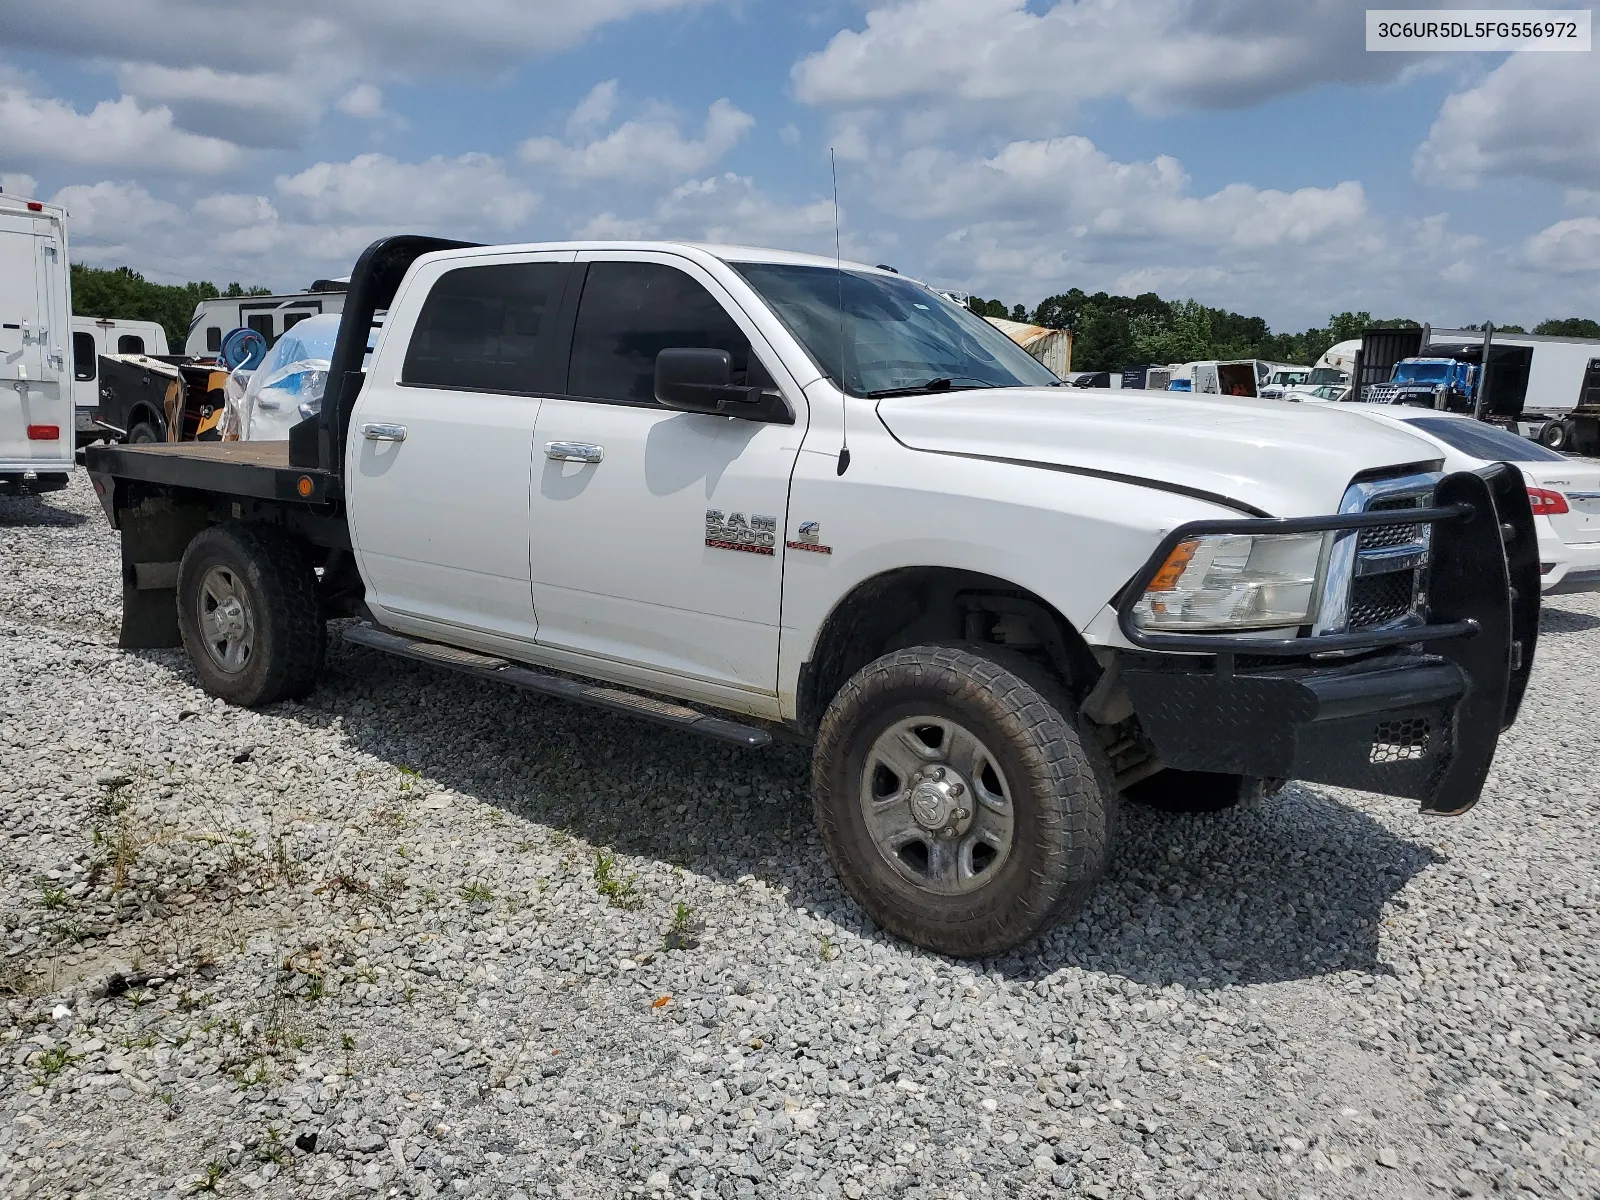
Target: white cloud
274 109
18 184
112 221
471 192
117 133
411 36
365 100
1535 116
725 208
1070 186
594 110
652 149
1569 246
235 211
1030 68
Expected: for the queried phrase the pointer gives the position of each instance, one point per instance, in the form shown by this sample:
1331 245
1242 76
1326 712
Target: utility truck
748 492
36 415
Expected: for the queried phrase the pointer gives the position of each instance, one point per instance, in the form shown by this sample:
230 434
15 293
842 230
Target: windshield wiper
915 389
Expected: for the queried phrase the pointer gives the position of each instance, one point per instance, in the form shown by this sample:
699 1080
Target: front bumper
1566 569
1412 711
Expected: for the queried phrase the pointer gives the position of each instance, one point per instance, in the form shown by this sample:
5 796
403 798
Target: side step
500 670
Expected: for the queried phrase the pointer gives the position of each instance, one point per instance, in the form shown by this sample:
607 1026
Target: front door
657 536
440 443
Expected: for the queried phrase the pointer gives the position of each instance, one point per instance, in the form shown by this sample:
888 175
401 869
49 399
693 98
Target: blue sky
1247 154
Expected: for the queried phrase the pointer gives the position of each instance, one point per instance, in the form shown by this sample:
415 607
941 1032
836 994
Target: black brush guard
1415 711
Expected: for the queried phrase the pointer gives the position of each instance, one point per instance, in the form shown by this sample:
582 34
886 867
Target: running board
501 670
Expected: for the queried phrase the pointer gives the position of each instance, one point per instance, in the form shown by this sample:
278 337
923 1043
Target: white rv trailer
270 316
36 417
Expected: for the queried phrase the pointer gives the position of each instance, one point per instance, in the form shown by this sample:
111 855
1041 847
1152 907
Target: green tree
121 293
1581 327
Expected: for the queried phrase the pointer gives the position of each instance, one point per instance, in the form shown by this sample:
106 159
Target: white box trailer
1535 381
36 415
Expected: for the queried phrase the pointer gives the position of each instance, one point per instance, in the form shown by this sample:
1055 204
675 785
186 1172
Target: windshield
1285 378
1484 441
892 333
1421 372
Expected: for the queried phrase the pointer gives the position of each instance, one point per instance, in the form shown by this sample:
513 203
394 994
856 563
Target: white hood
1287 460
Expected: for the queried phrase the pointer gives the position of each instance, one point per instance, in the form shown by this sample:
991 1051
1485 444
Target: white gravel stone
357 946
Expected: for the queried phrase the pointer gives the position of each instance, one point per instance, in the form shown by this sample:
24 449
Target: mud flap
155 533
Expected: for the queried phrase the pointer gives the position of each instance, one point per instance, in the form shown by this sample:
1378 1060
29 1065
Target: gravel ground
420 937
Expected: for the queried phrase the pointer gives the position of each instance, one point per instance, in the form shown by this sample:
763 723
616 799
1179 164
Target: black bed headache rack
1413 710
318 443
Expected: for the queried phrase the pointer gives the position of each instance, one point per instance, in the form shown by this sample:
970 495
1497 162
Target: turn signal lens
1546 503
1172 570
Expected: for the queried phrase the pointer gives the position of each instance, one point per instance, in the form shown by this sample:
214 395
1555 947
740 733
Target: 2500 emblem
733 531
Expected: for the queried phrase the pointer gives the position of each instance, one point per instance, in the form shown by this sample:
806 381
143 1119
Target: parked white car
1564 492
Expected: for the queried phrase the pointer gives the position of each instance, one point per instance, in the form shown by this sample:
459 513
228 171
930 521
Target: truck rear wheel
1196 791
959 799
1555 435
143 433
249 615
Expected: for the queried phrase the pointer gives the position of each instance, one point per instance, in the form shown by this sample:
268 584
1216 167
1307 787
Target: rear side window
630 312
1484 441
84 365
487 329
213 337
130 343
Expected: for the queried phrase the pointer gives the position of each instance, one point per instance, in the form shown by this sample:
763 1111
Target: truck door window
84 356
630 312
487 329
130 343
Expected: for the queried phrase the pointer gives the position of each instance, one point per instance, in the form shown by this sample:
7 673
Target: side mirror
699 379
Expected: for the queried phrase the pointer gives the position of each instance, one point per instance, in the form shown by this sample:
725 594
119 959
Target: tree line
122 294
1110 332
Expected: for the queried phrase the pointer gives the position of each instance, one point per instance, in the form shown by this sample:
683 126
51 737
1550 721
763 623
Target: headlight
1234 581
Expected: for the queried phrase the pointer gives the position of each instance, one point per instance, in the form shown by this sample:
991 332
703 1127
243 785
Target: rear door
35 387
441 444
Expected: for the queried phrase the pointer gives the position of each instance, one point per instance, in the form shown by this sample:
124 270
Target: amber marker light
1172 570
303 486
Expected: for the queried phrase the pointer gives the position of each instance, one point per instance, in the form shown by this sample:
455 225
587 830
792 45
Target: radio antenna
838 258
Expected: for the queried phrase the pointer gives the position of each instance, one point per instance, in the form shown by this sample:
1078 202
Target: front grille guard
1205 643
1482 626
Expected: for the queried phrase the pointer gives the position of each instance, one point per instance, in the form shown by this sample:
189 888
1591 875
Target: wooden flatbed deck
260 470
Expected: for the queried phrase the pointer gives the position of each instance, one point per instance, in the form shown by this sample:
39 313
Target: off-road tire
1064 803
1196 791
143 433
281 588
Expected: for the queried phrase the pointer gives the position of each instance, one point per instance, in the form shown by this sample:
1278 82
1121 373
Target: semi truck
748 493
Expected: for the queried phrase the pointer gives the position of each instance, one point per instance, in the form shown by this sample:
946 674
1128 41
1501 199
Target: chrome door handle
581 452
383 433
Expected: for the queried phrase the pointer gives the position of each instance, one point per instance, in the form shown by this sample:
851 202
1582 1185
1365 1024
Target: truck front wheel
959 799
249 616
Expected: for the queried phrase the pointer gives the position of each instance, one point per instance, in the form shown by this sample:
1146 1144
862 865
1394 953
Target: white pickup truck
741 490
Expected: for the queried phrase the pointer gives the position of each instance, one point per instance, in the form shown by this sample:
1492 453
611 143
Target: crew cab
746 491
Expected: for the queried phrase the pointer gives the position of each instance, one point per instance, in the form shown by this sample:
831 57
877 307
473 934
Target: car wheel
142 433
1196 791
249 615
961 799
